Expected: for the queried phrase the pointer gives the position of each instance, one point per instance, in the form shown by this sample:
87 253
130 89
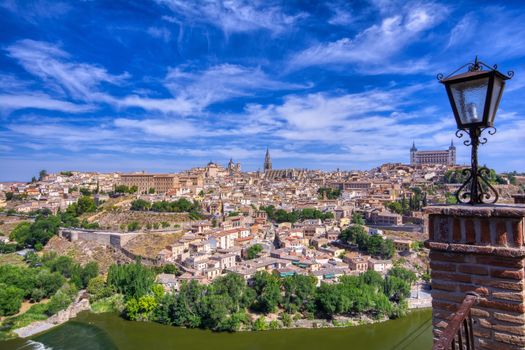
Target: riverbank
81 303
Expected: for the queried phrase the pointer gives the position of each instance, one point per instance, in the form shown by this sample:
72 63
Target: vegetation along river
109 331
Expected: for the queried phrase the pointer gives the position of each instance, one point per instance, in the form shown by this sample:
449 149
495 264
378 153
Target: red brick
507 274
443 233
474 269
447 296
470 232
491 282
441 266
444 305
465 288
500 305
517 228
493 345
505 317
431 233
519 330
450 287
509 339
479 312
456 230
501 233
448 276
485 231
513 296
499 261
442 256
482 333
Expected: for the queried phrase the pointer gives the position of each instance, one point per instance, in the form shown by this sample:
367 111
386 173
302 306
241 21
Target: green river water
108 331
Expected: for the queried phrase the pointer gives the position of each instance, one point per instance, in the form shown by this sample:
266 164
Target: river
108 331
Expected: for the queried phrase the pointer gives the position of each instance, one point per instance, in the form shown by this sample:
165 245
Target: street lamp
474 97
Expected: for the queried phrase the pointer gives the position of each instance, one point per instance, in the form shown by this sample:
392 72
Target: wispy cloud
160 33
377 43
234 15
53 65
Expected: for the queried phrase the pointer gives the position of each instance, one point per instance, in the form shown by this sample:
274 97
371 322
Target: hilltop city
209 223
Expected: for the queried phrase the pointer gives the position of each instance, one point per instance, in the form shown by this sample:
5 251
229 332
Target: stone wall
479 249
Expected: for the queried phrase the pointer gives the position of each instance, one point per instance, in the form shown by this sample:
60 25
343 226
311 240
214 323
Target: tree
299 293
42 175
11 299
38 233
98 289
357 219
83 275
404 274
350 234
267 287
140 309
132 280
151 190
140 205
254 251
396 289
235 287
395 207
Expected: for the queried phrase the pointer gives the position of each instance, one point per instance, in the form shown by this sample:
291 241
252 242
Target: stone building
446 157
161 183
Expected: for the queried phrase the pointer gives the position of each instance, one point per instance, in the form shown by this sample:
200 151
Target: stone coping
482 210
476 249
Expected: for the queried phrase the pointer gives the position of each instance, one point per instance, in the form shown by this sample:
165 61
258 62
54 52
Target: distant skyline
167 85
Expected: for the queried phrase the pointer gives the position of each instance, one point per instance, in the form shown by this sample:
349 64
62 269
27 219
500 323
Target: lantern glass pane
469 97
496 92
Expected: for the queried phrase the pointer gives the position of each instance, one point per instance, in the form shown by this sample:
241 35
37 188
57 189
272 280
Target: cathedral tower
267 161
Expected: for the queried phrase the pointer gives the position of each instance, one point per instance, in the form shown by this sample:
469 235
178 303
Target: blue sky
167 85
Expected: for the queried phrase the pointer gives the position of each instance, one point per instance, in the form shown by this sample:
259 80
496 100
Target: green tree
267 288
132 280
140 205
357 218
254 251
11 299
98 289
395 207
299 293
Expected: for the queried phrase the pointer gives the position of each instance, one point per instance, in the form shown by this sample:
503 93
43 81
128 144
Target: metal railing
458 335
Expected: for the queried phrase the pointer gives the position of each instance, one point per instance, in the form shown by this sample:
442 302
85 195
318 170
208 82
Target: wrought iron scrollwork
476 189
475 66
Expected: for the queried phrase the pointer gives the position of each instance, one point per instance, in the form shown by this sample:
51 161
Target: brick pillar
479 248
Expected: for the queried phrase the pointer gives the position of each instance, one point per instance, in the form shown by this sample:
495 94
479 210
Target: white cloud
167 129
50 63
193 90
160 33
377 43
233 15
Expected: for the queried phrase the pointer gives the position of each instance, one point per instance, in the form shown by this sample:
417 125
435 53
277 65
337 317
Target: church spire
267 160
452 144
413 149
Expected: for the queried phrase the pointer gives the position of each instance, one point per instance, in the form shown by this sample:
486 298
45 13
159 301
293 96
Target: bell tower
267 161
